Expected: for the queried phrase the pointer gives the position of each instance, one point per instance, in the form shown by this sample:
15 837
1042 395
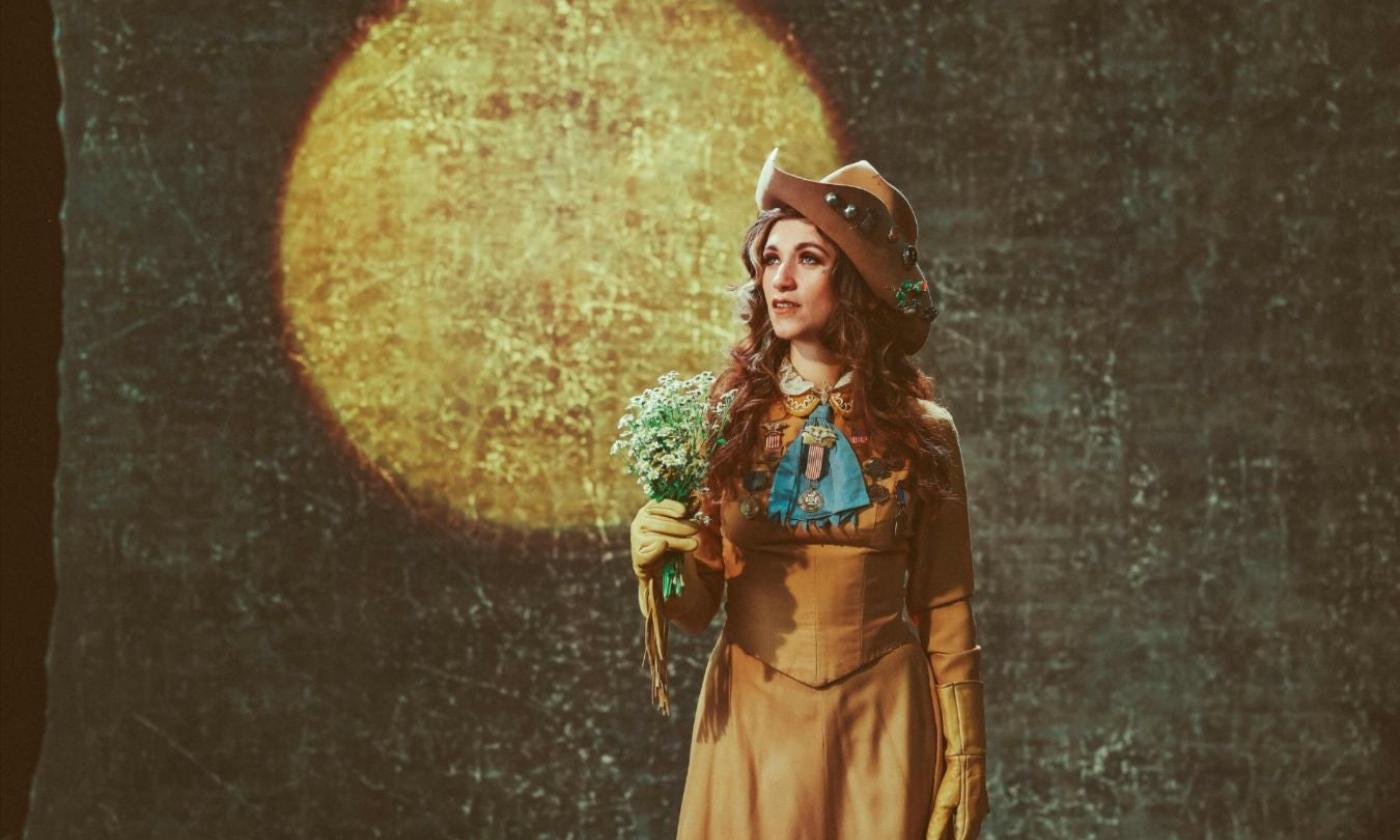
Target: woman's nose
786 277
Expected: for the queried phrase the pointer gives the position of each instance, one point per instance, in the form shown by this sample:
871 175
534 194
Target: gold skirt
772 758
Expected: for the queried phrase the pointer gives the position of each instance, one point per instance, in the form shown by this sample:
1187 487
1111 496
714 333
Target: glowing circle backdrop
505 219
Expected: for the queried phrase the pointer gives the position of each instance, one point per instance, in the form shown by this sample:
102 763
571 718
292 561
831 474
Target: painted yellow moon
505 219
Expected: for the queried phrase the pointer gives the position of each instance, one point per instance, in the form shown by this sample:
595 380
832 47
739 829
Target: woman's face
796 262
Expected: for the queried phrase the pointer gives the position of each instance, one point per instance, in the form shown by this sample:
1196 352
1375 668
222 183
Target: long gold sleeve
939 600
940 587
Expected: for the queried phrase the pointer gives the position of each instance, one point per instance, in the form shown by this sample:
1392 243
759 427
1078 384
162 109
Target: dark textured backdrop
1164 237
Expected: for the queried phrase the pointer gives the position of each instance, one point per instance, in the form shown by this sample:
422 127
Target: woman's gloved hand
960 804
658 527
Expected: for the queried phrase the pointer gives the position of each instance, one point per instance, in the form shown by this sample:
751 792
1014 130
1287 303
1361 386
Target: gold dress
817 716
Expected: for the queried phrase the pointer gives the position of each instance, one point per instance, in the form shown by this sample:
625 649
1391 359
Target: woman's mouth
784 306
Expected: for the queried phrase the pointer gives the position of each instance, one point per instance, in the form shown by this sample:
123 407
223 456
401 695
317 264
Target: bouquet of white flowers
667 435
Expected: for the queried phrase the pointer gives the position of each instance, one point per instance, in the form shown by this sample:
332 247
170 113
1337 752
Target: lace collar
794 384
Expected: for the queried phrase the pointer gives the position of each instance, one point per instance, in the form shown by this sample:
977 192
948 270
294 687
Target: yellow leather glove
659 526
960 804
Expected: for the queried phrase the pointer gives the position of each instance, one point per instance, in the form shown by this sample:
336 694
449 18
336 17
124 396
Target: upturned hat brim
873 224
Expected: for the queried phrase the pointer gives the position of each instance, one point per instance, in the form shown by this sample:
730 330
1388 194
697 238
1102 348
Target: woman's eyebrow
798 245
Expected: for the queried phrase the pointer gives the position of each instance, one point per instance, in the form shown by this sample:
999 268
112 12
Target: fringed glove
657 528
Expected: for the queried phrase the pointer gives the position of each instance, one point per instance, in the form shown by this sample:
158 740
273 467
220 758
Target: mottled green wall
1164 241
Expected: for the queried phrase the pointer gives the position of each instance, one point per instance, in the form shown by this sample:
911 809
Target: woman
822 713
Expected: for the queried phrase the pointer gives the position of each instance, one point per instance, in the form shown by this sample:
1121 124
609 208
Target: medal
773 440
748 507
817 435
876 469
818 439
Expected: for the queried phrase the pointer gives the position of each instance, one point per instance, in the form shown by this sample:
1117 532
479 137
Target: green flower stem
672 576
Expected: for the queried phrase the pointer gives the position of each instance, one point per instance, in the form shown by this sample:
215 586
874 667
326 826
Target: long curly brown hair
861 332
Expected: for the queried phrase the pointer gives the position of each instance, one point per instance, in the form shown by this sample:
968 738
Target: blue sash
842 484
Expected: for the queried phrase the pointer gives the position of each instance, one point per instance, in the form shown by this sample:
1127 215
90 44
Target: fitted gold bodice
816 603
819 603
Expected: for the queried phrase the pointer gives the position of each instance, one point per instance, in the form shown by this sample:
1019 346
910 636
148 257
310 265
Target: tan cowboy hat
872 222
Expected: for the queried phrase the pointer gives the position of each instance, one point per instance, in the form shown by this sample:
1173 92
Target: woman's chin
788 333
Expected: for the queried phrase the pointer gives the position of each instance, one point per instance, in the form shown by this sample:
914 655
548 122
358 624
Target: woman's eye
807 259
